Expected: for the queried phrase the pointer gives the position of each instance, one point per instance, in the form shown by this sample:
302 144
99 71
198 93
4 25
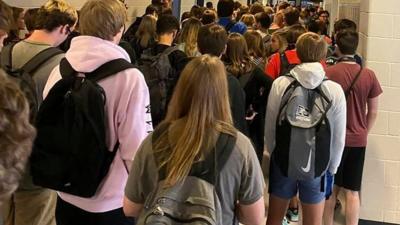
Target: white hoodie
310 75
127 109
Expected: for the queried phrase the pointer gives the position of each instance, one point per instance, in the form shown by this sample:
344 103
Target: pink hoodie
129 119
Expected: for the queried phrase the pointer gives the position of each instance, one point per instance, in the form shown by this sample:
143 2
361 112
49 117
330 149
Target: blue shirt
239 27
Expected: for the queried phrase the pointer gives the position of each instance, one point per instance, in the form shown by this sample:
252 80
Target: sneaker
285 221
293 215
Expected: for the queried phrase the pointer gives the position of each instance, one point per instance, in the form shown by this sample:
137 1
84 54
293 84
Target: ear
63 29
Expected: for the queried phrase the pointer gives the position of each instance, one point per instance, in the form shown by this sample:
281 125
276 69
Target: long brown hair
255 44
200 104
16 135
147 30
189 36
237 55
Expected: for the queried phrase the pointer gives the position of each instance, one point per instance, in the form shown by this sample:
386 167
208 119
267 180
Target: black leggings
67 214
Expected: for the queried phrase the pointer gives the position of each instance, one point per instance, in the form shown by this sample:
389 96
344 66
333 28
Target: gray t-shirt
21 54
241 179
26 50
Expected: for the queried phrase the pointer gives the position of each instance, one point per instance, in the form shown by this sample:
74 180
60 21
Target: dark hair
344 24
209 16
316 26
225 8
196 12
166 24
151 9
323 12
166 11
264 19
293 33
256 8
55 13
212 39
30 18
209 5
185 15
236 5
291 16
347 42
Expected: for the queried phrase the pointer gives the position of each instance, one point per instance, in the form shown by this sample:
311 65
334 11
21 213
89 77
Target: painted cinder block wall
380 46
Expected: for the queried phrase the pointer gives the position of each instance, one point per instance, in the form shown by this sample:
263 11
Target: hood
309 75
87 53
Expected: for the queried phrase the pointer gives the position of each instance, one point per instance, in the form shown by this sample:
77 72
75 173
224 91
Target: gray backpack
303 134
195 199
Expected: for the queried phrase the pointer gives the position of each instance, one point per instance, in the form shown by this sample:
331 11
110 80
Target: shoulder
243 145
333 90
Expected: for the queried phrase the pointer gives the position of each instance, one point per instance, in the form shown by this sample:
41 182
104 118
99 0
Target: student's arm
372 113
273 107
338 127
132 209
250 208
133 114
253 214
139 182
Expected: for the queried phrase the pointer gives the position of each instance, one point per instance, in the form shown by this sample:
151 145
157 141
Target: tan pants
35 207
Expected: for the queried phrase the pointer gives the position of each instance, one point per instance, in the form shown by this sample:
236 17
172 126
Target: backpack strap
39 59
284 62
107 69
350 89
210 168
6 57
170 50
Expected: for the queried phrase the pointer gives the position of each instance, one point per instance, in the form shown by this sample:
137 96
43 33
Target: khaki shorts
33 207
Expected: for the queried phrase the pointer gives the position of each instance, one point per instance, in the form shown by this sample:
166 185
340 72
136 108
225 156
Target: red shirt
273 67
367 86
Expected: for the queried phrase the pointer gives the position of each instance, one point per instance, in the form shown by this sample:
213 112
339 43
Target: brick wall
380 46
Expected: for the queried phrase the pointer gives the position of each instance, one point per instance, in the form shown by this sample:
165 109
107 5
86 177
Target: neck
264 30
165 40
42 36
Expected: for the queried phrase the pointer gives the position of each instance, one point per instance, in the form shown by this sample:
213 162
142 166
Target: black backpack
286 67
160 77
70 153
24 76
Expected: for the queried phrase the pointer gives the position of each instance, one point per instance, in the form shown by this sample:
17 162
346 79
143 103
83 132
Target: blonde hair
102 18
237 55
201 102
311 47
146 30
248 19
16 135
189 36
55 13
281 36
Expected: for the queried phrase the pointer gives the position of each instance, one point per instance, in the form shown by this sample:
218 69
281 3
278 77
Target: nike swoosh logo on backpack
308 167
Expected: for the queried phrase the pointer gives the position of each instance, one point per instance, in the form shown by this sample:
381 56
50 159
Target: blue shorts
284 187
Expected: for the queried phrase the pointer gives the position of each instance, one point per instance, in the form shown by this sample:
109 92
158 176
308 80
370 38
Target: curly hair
16 135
